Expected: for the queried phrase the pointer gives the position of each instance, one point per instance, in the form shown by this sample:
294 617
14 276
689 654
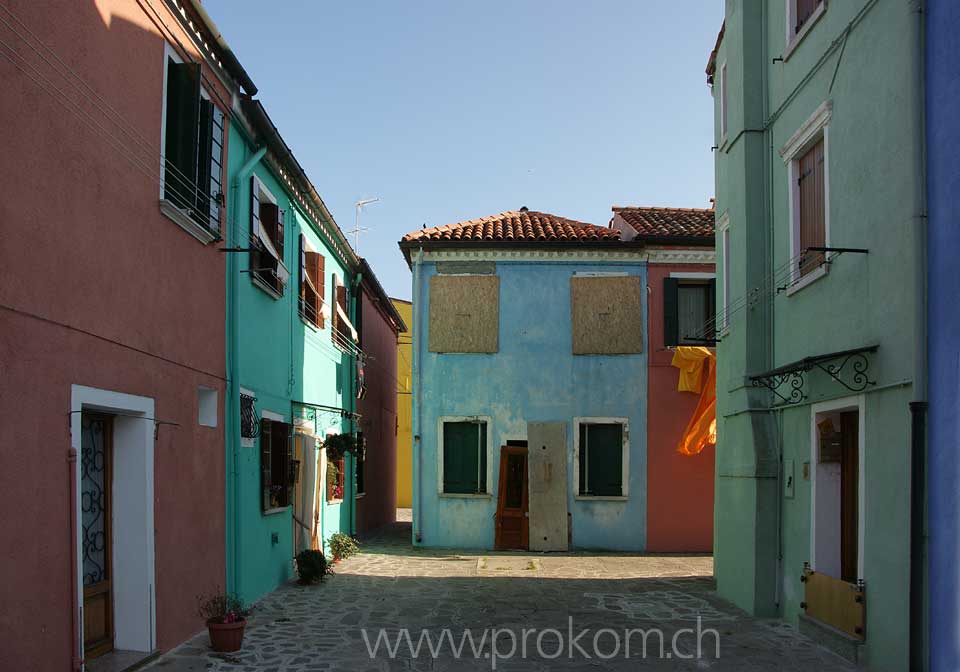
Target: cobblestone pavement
391 585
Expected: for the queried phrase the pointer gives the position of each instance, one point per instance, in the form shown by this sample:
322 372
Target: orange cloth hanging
698 373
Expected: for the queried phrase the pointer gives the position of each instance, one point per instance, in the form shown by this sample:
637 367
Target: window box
463 456
602 458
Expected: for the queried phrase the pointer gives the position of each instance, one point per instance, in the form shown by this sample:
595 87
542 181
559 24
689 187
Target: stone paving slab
392 585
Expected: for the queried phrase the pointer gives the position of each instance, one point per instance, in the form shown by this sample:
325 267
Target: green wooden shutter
605 459
201 211
182 123
671 322
461 457
482 448
712 320
582 459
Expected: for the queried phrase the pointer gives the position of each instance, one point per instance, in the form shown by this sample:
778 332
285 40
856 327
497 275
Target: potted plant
342 546
312 566
226 618
337 445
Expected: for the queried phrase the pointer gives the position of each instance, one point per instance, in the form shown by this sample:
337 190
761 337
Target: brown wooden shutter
266 445
805 9
812 208
313 271
303 275
321 288
281 215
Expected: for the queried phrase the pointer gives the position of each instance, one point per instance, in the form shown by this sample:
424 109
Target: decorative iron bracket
249 424
847 367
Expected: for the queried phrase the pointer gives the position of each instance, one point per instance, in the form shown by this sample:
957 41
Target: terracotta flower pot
226 637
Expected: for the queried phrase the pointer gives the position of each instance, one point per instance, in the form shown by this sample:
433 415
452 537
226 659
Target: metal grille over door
95 516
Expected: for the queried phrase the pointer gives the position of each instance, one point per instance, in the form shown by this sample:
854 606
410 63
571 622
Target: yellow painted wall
404 420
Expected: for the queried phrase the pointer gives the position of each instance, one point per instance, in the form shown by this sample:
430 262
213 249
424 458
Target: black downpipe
918 469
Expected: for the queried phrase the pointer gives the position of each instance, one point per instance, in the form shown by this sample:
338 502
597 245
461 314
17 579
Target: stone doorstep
507 564
847 647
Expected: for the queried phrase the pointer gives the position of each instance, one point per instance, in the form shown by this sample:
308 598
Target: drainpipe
75 612
355 309
233 377
918 406
418 336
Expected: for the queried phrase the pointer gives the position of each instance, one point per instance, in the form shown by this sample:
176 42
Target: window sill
274 511
314 327
807 280
272 291
185 222
360 495
464 495
600 498
794 41
334 501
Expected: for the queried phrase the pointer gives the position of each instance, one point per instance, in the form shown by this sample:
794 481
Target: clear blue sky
452 110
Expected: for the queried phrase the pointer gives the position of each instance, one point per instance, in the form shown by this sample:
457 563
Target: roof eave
407 245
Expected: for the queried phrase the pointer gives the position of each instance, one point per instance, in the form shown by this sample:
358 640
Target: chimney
524 209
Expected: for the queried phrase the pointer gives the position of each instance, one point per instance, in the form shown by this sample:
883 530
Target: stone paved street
392 586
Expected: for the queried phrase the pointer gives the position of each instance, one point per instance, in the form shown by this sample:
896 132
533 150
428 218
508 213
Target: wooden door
96 457
513 530
849 494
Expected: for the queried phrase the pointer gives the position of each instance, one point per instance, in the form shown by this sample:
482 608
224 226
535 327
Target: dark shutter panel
712 320
269 214
182 122
605 459
582 459
303 279
289 474
321 287
482 484
266 445
254 209
671 322
281 214
202 207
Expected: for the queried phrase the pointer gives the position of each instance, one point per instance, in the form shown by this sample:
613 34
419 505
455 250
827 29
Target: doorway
513 530
96 515
836 493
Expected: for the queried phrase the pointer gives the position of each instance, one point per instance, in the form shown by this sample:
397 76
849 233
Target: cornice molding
664 256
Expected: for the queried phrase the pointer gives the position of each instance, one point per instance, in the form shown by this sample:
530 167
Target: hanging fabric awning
698 374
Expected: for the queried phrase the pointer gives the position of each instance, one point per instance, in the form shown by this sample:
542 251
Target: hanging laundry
698 374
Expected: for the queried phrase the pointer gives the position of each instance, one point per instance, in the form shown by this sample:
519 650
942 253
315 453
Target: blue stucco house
529 396
943 241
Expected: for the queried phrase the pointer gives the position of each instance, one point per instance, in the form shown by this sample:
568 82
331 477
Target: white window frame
465 418
857 403
723 227
817 126
624 462
792 40
180 217
724 106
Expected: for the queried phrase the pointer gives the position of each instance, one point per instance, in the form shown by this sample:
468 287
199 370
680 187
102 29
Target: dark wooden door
96 457
849 494
513 530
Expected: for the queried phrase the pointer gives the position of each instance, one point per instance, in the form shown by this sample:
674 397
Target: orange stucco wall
679 488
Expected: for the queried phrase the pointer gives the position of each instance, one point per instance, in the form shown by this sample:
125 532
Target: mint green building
821 362
291 360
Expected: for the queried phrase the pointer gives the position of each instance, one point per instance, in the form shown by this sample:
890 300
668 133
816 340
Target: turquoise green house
291 360
818 110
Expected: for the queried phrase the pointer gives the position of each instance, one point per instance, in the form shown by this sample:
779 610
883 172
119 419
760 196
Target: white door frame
853 403
134 597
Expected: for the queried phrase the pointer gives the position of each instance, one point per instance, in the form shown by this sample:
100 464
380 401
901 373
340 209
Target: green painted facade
856 63
286 363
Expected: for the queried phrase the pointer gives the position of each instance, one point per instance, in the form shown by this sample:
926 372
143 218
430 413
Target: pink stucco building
380 326
111 326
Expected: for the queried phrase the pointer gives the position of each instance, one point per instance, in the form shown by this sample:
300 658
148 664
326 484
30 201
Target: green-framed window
465 457
600 459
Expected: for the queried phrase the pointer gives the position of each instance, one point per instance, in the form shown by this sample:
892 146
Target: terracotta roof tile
516 226
685 222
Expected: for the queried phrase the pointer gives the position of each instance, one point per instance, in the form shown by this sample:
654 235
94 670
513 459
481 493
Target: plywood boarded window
464 313
606 315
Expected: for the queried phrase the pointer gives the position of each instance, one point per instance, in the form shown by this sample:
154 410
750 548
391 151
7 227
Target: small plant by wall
342 546
312 566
